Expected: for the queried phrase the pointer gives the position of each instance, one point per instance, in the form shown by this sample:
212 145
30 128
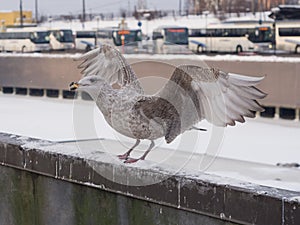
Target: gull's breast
132 124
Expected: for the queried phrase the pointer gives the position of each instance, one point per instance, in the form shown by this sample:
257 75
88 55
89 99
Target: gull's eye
92 80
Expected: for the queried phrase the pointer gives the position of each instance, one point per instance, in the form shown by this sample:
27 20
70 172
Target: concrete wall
282 79
29 198
39 186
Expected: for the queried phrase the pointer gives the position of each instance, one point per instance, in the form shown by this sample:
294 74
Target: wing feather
220 98
107 62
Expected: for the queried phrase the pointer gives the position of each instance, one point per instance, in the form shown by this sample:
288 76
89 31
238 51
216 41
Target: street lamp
36 12
21 14
83 13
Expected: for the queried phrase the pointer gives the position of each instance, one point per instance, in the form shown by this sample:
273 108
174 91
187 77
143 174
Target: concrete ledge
205 196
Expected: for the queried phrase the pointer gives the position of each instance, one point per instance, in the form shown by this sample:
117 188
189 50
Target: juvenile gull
192 94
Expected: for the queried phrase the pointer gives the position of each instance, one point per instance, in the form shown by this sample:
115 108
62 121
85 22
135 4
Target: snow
264 16
38 55
221 171
228 57
289 6
247 152
268 141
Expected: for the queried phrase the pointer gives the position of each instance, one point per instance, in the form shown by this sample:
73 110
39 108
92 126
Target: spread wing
206 93
107 62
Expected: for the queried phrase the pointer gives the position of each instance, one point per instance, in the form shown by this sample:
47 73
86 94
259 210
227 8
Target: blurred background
177 26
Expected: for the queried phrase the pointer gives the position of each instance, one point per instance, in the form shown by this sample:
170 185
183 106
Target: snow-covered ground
268 141
245 153
226 57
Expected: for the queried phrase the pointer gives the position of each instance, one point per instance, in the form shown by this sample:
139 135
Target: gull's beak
73 86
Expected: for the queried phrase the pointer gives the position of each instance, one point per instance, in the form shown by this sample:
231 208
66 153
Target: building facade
12 18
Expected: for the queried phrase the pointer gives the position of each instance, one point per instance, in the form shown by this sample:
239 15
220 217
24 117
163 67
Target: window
176 35
292 31
86 34
197 33
130 36
40 37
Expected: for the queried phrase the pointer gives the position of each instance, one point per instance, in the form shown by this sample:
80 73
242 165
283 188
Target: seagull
192 94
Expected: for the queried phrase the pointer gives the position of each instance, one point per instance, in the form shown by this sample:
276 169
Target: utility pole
21 14
179 7
83 12
128 9
36 12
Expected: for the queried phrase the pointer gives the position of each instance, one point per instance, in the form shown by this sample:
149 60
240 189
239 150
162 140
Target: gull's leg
126 154
148 150
131 160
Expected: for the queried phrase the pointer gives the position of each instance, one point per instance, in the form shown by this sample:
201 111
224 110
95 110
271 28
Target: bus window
63 35
66 36
40 37
260 35
85 34
62 39
177 36
197 33
114 35
171 40
290 31
157 35
130 36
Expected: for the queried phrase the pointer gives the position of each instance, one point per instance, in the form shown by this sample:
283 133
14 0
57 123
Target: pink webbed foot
132 160
124 156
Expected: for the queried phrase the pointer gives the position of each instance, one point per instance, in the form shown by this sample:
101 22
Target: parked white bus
170 40
231 37
85 39
61 39
20 40
287 35
127 40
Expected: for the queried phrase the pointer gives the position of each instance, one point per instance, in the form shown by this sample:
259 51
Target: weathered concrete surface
29 198
39 187
282 79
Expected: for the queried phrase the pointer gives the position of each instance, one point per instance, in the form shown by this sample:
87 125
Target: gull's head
86 83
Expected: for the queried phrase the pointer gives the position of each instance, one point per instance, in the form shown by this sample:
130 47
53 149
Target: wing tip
264 94
89 54
243 80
